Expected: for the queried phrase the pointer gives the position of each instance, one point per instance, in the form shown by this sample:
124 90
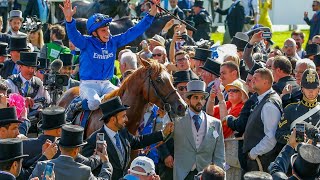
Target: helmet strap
98 37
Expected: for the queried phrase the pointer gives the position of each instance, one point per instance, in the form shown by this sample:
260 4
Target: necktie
118 144
26 87
15 69
197 120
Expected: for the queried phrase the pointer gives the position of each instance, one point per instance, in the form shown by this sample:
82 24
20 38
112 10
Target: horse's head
158 89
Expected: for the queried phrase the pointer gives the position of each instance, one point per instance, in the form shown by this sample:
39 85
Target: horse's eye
159 80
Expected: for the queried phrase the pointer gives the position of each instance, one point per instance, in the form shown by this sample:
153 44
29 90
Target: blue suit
314 24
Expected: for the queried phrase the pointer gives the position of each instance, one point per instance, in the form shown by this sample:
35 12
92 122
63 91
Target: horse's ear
144 62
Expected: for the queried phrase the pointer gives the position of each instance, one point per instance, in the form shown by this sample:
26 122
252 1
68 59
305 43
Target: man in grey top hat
198 137
15 22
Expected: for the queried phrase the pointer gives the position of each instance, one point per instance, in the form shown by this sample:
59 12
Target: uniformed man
202 20
305 111
67 69
25 83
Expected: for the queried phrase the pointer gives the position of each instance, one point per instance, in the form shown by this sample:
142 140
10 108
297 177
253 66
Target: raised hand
67 9
153 10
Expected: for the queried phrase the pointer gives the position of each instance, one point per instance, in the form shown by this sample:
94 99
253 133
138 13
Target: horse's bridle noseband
166 105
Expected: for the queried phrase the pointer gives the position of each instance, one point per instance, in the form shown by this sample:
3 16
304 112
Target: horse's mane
155 69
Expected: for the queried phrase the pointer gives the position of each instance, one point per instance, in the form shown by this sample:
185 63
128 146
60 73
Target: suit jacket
129 143
66 168
32 9
33 147
211 150
234 19
7 69
6 176
278 87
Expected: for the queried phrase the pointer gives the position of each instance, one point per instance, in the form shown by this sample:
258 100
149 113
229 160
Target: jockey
98 51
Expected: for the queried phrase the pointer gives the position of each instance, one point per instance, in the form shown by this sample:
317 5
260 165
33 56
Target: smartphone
144 44
134 49
217 83
100 141
175 21
266 35
300 131
48 170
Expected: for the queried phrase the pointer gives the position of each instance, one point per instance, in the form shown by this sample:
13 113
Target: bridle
164 100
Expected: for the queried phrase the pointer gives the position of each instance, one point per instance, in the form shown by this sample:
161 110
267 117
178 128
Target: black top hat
198 3
112 107
8 115
256 175
184 76
255 67
312 49
3 49
240 40
28 59
306 164
52 118
11 149
18 43
310 79
212 67
202 54
43 63
66 59
71 136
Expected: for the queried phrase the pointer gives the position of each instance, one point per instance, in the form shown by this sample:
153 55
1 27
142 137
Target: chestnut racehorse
150 83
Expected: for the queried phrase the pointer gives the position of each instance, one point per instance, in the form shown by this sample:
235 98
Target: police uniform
310 80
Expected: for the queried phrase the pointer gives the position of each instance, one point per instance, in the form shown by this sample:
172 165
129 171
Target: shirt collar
24 79
109 131
260 97
201 114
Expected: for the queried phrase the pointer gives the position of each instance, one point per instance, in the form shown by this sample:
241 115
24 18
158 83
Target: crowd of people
250 110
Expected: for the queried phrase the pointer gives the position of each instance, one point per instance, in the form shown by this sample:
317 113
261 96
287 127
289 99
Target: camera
56 80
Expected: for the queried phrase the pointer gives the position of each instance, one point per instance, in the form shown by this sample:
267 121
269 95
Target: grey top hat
16 14
196 87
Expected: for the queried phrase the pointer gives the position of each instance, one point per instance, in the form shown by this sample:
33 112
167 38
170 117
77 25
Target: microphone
56 65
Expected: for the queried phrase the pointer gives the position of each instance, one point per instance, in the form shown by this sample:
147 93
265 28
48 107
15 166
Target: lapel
111 149
188 127
125 145
207 133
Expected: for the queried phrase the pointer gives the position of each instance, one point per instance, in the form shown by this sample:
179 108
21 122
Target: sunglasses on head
154 55
182 88
233 90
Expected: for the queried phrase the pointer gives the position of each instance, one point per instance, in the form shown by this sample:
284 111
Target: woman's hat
18 43
239 85
66 59
158 39
15 14
8 116
212 66
28 59
184 76
71 136
202 54
52 118
11 149
196 87
306 163
112 107
3 49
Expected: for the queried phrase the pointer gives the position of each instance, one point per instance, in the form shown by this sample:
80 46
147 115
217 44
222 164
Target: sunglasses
182 59
233 90
182 88
287 46
154 55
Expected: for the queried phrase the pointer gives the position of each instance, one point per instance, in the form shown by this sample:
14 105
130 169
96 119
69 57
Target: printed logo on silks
105 54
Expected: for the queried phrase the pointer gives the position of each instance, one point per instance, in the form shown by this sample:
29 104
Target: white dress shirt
270 116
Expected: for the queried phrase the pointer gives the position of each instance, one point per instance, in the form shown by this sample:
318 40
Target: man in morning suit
120 141
198 137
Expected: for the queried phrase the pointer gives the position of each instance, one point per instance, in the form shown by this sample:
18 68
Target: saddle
76 114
